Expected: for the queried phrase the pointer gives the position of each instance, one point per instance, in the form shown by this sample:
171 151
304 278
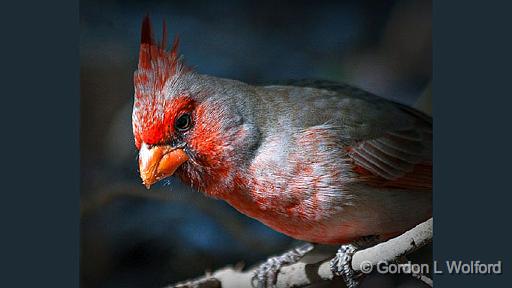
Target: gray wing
386 138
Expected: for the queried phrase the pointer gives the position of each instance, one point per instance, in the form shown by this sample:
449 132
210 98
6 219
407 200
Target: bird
320 161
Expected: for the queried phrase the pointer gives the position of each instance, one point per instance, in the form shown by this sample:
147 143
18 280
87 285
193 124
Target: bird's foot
266 274
341 265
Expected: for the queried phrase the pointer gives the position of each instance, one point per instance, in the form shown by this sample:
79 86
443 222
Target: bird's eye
183 122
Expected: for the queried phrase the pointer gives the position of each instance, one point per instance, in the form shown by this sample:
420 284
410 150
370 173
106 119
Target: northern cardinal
318 161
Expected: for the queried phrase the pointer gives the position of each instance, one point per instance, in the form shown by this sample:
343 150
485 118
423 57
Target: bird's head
181 120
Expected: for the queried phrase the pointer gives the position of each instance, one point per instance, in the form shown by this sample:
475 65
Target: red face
156 125
159 120
159 133
178 130
172 126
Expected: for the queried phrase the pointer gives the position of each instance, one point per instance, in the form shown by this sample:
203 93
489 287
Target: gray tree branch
304 275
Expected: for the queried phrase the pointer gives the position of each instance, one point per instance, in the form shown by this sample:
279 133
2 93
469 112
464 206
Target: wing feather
391 142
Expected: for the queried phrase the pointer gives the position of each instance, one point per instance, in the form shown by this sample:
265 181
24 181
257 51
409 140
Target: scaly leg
341 264
266 275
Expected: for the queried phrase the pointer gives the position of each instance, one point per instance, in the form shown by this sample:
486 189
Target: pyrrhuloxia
318 161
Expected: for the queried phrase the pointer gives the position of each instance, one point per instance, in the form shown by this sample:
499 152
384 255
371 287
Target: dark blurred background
132 237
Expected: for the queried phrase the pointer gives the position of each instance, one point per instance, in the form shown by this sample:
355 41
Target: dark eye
183 122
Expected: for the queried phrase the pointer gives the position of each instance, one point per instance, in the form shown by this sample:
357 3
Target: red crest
156 66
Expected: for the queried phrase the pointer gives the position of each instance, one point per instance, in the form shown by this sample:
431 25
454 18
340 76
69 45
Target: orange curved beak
159 162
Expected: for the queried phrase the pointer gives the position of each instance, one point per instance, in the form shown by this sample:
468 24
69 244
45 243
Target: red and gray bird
319 161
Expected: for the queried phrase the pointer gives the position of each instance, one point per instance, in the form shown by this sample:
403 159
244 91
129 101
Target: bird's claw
266 274
341 265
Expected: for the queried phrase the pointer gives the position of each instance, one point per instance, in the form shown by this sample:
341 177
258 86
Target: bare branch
303 275
396 247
